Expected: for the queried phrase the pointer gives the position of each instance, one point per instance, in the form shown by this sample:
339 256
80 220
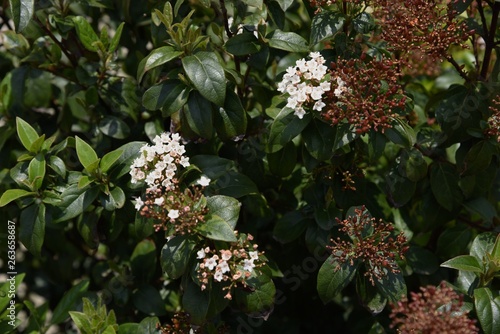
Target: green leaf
464 263
68 302
207 75
87 227
225 207
148 300
26 133
284 128
122 166
421 260
143 260
319 140
444 185
148 325
332 280
13 194
169 96
217 228
86 154
257 302
325 25
195 302
129 328
234 184
413 164
32 228
283 162
86 33
392 285
478 158
487 310
114 200
22 13
290 226
36 171
483 207
288 41
75 201
114 127
82 321
199 115
231 120
115 41
109 159
242 44
401 134
482 245
157 57
453 241
369 296
284 4
175 256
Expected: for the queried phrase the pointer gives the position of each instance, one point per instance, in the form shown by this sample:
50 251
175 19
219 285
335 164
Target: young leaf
86 33
86 154
207 75
36 171
332 280
26 133
109 159
464 263
13 194
116 38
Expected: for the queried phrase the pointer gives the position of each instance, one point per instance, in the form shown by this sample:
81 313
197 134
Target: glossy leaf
325 25
231 120
109 159
74 202
225 207
114 127
217 228
169 96
488 310
68 302
290 227
157 57
242 44
13 194
258 302
22 13
113 45
195 302
86 154
392 285
36 171
86 33
288 41
444 184
207 75
464 263
26 133
282 162
332 280
32 228
284 128
175 256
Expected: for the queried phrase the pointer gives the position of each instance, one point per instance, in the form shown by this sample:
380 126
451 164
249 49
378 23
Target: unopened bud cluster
372 242
233 265
177 210
430 26
493 129
432 310
367 94
305 83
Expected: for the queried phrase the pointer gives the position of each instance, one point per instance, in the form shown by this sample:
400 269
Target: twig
490 41
54 38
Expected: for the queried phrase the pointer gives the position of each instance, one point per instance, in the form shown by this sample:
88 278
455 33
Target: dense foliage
251 166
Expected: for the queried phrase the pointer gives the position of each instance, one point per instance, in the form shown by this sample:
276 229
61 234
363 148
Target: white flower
223 266
218 276
225 254
317 93
299 112
200 254
159 201
254 255
138 203
203 181
173 214
184 161
318 106
211 263
248 265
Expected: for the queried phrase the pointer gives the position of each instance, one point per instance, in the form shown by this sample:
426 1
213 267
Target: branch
490 41
457 67
73 61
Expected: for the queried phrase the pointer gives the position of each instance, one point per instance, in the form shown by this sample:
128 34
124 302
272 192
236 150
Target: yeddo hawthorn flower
177 210
493 129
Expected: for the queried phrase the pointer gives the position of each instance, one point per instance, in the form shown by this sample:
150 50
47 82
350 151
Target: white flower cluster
157 164
306 82
221 265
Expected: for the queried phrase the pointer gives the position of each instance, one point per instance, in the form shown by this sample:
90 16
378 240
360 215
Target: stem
490 41
457 67
229 35
54 38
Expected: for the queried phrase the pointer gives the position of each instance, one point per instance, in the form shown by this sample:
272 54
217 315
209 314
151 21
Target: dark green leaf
68 302
122 165
333 278
478 158
148 325
483 207
86 33
225 207
231 121
288 41
325 25
401 133
212 165
195 302
413 165
129 328
392 285
114 200
22 12
75 201
207 75
169 96
444 184
364 23
87 227
319 139
114 127
216 228
421 260
284 4
242 44
370 297
235 185
483 244
199 115
454 241
157 57
175 256
143 260
464 263
284 128
290 226
460 6
148 300
282 163
32 228
487 310
258 302
113 45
